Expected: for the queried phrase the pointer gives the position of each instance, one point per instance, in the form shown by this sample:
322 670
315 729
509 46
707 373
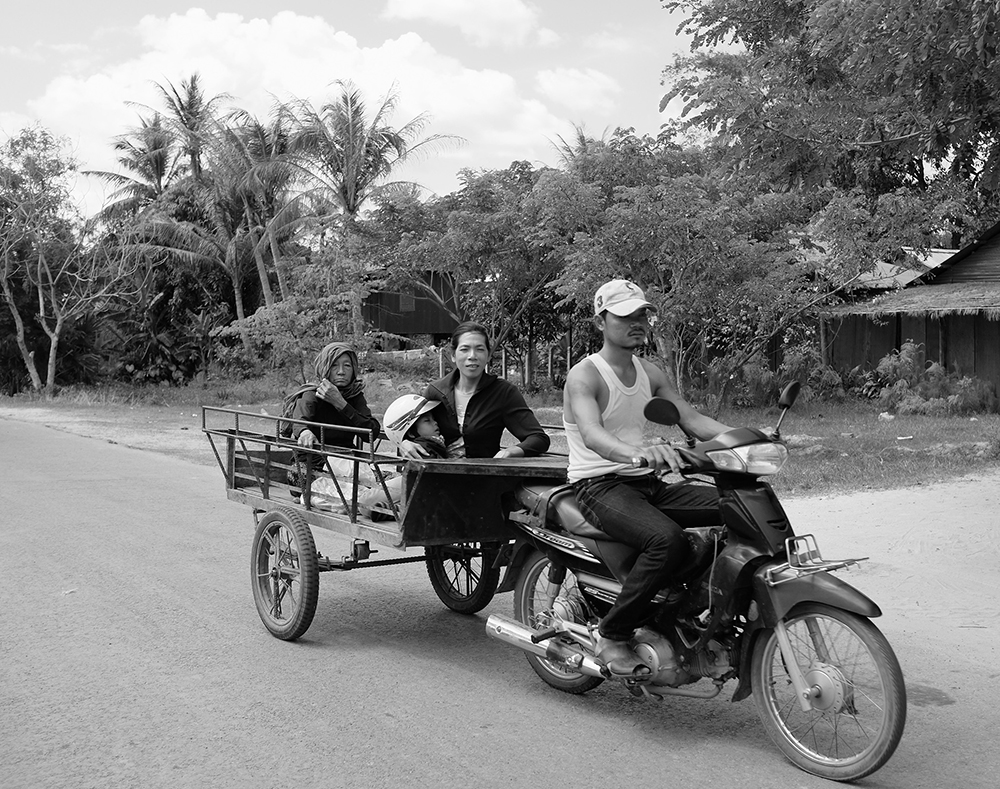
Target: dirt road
131 654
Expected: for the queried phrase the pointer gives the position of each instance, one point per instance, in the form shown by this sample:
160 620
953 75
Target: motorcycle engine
715 661
656 652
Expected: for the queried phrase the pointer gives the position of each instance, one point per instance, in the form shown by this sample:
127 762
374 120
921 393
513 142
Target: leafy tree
495 245
46 250
719 257
878 95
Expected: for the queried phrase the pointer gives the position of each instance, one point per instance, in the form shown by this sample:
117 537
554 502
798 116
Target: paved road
131 655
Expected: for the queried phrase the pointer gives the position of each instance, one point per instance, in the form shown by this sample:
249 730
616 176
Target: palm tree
268 180
191 117
232 161
345 156
149 156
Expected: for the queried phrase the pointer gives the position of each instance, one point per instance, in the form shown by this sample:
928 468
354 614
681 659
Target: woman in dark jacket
476 405
338 400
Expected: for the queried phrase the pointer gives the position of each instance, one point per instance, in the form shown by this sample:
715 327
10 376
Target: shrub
972 395
902 365
902 384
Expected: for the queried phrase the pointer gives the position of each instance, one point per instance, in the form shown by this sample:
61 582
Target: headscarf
326 358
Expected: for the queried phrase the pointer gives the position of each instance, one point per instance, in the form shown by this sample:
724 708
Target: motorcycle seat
559 503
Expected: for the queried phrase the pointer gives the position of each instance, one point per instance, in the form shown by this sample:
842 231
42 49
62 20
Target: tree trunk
529 359
265 283
50 376
241 313
279 265
26 356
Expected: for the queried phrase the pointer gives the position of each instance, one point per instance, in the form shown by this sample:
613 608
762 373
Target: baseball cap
620 297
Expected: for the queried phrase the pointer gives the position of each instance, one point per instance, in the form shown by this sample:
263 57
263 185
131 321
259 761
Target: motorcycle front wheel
531 608
858 700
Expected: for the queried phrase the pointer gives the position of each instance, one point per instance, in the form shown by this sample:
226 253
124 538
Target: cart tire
463 575
284 574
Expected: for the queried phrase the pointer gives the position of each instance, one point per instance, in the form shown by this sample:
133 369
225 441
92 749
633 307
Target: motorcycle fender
518 555
777 600
750 636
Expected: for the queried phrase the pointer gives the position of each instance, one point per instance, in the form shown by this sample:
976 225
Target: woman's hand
509 452
409 449
307 438
329 392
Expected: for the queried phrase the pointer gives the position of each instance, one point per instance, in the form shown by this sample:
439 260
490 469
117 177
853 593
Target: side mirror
661 411
788 395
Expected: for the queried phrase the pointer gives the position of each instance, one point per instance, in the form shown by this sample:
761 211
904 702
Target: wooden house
952 311
410 312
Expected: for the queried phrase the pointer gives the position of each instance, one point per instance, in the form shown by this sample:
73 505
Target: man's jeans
649 515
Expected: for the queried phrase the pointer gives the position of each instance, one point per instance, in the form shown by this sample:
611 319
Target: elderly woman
476 406
338 400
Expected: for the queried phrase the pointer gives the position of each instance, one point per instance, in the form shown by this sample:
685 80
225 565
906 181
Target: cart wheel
463 575
284 574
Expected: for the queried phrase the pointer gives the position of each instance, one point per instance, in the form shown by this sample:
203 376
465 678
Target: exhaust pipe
511 632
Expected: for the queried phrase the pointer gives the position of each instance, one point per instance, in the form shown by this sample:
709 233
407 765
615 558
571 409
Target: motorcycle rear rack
804 559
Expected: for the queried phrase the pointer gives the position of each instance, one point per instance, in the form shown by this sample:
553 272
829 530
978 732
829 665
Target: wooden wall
971 343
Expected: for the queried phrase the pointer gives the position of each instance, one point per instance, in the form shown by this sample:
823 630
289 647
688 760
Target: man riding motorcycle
614 474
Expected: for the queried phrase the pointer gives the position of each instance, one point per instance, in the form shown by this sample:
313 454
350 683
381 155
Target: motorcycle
757 604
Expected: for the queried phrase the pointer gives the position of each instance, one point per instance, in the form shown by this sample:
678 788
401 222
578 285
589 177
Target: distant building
952 310
411 313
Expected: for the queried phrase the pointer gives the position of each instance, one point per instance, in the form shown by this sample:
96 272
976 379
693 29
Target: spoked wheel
284 574
858 700
531 608
463 575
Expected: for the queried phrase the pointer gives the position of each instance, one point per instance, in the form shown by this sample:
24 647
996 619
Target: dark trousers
649 515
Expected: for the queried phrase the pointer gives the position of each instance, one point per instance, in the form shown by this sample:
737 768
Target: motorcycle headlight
759 459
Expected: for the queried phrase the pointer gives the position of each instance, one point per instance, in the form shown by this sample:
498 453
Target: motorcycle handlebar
686 465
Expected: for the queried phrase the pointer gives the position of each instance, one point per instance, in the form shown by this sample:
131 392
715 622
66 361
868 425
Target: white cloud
11 123
579 89
256 61
610 43
484 22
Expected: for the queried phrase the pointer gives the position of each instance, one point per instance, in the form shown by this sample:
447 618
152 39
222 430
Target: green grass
833 447
845 447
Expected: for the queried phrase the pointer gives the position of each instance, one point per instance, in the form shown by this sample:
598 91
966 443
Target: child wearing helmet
409 418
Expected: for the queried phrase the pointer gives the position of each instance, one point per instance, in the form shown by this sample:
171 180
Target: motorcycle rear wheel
530 608
859 709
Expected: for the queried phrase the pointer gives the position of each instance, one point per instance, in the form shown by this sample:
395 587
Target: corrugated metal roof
888 275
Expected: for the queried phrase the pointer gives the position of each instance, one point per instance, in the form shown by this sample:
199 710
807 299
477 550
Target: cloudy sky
508 76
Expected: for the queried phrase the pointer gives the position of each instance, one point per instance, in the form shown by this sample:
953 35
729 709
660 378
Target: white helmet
403 412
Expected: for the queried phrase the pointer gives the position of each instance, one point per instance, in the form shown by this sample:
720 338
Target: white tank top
622 417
